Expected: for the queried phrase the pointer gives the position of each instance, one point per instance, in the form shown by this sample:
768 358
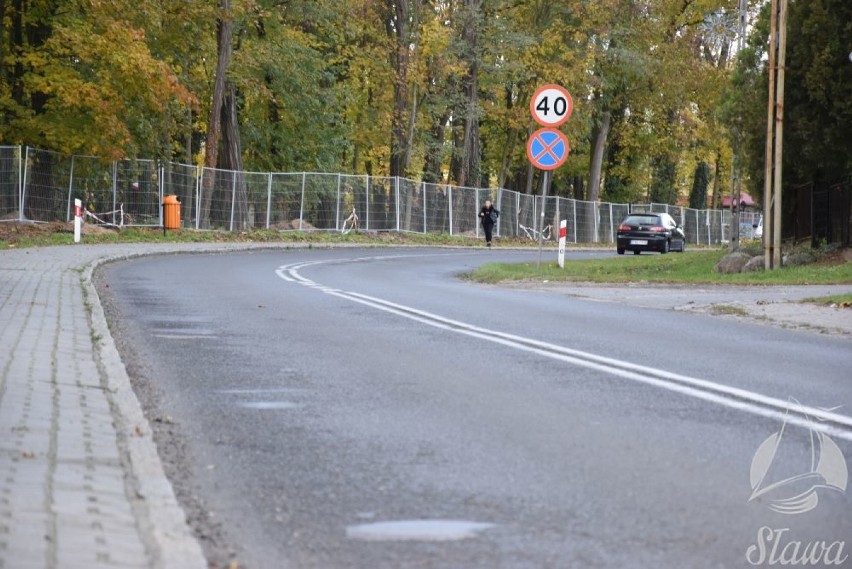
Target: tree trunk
214 125
231 157
400 31
717 181
470 159
601 133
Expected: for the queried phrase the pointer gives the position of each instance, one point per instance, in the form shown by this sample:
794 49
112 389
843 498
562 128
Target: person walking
488 216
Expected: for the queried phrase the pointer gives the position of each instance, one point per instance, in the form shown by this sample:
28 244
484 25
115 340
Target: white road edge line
731 397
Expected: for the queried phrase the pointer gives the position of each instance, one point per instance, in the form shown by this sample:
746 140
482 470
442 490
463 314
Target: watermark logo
797 491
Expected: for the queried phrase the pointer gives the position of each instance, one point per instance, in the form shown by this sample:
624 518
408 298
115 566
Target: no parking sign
547 148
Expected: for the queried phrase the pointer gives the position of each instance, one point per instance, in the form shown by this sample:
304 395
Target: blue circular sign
547 148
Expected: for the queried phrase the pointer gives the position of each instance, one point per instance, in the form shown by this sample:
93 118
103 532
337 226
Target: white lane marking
264 405
262 390
731 397
417 530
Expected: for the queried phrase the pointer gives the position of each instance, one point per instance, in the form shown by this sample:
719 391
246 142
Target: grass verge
41 235
838 300
690 268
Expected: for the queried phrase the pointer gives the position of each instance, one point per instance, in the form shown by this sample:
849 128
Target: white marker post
563 230
78 220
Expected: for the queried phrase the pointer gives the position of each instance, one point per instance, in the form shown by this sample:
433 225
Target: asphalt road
314 393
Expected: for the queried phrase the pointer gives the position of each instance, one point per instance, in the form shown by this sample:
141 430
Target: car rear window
642 220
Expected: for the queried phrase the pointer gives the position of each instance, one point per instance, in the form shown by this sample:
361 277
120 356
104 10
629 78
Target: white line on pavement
731 397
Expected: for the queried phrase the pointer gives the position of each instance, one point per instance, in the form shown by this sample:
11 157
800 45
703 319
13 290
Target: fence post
24 184
22 172
535 214
595 214
268 199
396 192
517 213
707 215
114 188
233 197
574 204
70 189
199 174
611 234
476 196
499 203
697 229
367 205
337 215
161 193
424 208
302 203
450 206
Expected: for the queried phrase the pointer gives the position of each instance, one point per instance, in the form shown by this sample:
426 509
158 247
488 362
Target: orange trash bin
171 212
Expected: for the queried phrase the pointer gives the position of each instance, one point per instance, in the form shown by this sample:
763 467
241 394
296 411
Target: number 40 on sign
551 105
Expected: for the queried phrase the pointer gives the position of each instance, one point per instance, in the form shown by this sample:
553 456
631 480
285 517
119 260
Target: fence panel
216 199
507 204
527 215
587 222
619 212
47 177
320 202
606 224
286 201
181 180
411 206
437 208
353 199
252 194
466 210
381 209
90 181
690 225
11 167
131 191
137 194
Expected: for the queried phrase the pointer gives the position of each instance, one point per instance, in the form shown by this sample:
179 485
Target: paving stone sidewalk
81 484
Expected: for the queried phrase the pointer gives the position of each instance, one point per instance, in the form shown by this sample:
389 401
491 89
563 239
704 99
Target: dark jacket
488 215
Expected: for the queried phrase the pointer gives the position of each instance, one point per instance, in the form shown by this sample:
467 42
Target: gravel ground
771 305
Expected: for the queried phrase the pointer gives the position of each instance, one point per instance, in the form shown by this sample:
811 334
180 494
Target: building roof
745 200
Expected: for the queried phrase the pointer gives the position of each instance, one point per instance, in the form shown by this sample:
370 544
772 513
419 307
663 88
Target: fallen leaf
138 431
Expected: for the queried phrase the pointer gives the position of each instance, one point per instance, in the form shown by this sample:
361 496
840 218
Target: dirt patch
15 232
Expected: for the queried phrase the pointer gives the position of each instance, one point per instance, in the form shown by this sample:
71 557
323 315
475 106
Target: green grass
689 268
843 300
728 309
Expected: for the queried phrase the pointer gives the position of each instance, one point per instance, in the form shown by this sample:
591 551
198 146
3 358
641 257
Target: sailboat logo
790 482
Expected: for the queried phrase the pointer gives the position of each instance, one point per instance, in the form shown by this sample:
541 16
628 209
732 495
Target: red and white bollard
78 220
563 230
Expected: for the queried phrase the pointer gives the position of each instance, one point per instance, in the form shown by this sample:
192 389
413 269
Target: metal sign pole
545 181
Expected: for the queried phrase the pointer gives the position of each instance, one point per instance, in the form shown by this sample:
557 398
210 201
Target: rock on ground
732 263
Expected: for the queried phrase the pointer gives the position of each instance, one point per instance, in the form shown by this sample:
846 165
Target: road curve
363 408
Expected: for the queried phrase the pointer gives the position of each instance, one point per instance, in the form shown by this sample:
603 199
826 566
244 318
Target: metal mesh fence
181 180
10 182
129 192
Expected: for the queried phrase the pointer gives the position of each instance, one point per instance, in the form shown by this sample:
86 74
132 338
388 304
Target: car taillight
658 228
623 227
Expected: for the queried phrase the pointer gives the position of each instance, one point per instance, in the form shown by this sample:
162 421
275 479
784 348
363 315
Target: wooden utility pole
736 185
774 136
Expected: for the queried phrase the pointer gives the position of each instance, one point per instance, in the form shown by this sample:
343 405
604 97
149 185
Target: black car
650 232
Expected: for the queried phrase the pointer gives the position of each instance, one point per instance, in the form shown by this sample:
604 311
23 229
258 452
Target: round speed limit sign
551 105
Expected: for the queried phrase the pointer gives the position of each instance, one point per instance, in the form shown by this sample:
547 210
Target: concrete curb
162 521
